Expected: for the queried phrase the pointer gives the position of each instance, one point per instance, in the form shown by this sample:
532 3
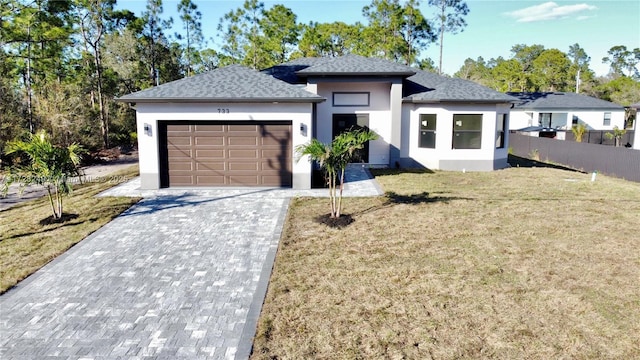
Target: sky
493 26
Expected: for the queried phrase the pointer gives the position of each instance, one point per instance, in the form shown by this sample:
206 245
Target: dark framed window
427 131
544 119
607 119
501 124
467 131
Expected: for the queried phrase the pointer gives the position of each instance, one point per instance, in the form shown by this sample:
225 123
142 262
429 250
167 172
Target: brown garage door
227 154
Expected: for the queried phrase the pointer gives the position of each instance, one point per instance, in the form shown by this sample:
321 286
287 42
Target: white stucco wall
595 119
443 156
378 110
522 119
300 114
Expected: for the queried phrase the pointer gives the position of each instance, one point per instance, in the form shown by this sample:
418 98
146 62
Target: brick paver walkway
181 275
174 277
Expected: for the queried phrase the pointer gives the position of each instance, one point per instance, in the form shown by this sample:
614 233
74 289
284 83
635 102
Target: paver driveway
181 276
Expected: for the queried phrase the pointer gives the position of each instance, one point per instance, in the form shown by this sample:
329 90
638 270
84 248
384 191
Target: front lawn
512 264
26 245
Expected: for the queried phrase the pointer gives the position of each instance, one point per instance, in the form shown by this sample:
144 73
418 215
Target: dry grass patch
26 245
519 263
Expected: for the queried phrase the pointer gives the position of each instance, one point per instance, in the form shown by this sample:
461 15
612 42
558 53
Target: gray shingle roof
427 87
635 106
233 83
419 85
560 101
349 65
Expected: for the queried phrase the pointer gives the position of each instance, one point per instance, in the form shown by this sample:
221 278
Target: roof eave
365 73
538 108
219 100
467 101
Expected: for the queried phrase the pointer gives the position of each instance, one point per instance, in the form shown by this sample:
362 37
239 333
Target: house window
500 126
427 131
574 120
467 131
351 98
544 120
607 119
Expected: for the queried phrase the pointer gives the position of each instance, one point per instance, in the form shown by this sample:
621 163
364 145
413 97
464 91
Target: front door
346 122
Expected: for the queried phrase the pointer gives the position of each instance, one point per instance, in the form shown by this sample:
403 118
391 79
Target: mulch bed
339 223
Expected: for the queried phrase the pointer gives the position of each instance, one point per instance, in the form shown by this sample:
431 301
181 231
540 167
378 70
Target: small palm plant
578 131
617 135
333 159
49 166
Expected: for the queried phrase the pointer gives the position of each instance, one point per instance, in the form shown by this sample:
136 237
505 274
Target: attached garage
218 153
229 127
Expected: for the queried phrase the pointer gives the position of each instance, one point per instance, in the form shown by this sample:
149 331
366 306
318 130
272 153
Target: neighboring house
562 110
234 126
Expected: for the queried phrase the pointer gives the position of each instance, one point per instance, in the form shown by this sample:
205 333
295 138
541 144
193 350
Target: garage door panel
243 153
210 180
276 153
209 141
179 153
180 141
242 128
252 166
181 166
281 128
275 129
276 179
179 128
209 154
244 180
204 166
233 154
181 179
266 166
243 141
276 141
209 128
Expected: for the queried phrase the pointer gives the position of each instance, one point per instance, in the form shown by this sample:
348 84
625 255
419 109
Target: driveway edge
250 328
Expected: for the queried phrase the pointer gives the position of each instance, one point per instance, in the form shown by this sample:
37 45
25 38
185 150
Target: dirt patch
339 223
107 156
50 220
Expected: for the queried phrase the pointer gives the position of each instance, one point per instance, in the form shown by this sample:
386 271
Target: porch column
395 107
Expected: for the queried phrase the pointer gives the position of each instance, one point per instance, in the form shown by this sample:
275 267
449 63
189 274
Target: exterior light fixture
147 129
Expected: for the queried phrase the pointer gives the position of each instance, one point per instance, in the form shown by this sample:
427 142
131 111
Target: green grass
518 263
26 245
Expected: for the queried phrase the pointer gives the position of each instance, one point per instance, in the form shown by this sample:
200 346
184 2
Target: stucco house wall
443 156
379 111
148 115
595 119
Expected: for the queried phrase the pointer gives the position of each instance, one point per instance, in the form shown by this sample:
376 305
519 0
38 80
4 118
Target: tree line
62 62
532 68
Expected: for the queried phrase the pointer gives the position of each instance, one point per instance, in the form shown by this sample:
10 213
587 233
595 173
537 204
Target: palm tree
578 131
617 135
49 166
333 159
